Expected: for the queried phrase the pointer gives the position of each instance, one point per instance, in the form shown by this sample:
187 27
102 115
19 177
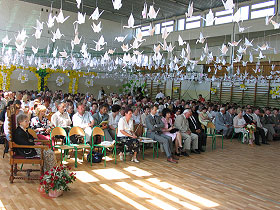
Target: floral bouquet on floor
56 180
251 128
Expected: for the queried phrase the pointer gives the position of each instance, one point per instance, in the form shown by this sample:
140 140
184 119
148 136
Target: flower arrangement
213 91
176 89
56 179
59 81
23 77
250 128
134 87
275 92
89 82
243 87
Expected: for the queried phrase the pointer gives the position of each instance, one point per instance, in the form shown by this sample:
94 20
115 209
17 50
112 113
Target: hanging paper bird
228 4
151 30
117 4
6 40
21 36
190 10
165 33
35 50
224 49
60 18
201 39
120 38
96 28
170 48
101 41
261 56
145 10
242 50
234 43
209 18
248 43
275 25
130 22
54 52
95 15
78 3
81 18
125 48
152 13
180 41
56 35
63 54
50 22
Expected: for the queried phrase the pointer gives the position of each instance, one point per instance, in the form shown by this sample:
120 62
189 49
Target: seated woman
169 130
204 119
39 123
127 136
22 137
239 124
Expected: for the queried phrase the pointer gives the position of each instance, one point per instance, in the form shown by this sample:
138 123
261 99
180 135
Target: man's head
257 111
231 110
103 108
223 110
275 111
199 96
154 109
61 107
81 108
146 109
248 110
187 113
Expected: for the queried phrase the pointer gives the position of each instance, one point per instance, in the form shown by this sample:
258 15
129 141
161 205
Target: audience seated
222 124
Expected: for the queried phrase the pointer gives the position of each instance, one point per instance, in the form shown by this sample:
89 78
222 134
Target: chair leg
222 142
76 156
143 149
12 174
124 154
105 157
61 156
83 154
91 157
115 153
157 149
153 151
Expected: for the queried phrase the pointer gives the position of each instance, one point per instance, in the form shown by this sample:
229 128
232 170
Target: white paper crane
130 22
228 4
268 20
56 35
95 15
117 4
206 49
151 30
209 18
152 13
201 39
54 52
145 11
237 16
180 41
6 40
51 20
60 18
165 34
234 43
21 36
78 3
237 59
248 43
39 25
101 41
275 25
37 33
183 53
164 45
251 58
264 47
224 49
190 10
135 44
76 40
125 47
35 50
63 54
157 48
81 18
261 56
139 37
242 50
111 51
120 38
96 28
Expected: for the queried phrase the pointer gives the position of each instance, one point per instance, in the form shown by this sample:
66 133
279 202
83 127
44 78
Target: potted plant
56 180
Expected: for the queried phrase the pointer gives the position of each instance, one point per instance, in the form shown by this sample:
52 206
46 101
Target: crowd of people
179 126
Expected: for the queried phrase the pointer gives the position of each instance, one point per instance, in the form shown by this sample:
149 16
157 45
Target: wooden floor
237 177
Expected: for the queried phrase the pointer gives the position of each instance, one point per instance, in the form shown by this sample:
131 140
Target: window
263 9
169 25
157 28
244 13
223 17
193 22
181 24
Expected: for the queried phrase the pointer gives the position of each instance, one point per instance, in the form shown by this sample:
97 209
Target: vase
55 193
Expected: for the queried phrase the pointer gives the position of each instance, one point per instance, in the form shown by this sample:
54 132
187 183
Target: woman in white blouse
127 137
239 124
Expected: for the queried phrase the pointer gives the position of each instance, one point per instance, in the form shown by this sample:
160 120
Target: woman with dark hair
169 130
127 136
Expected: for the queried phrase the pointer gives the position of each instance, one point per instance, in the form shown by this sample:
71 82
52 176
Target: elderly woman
127 136
22 137
39 123
239 124
169 130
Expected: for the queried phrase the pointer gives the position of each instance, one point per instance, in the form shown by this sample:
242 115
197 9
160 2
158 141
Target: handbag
174 130
96 157
76 139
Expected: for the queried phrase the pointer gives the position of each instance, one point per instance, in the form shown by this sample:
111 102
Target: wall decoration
213 91
274 92
23 77
89 82
135 87
59 81
243 87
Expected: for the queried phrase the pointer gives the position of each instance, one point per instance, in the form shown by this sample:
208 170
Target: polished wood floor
237 177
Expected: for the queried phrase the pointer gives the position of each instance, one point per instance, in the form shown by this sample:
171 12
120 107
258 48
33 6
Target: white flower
89 82
59 81
23 77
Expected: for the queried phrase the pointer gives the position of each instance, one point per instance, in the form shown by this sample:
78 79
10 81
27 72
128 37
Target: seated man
190 139
154 125
61 117
269 124
250 120
103 116
221 123
262 130
84 120
195 127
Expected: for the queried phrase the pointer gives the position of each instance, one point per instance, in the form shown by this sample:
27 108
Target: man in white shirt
84 120
160 95
61 117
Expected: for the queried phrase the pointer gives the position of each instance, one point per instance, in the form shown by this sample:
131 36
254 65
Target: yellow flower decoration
243 87
213 91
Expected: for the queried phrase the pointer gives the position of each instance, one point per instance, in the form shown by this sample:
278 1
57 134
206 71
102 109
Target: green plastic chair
240 136
148 141
98 131
214 135
79 131
59 131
